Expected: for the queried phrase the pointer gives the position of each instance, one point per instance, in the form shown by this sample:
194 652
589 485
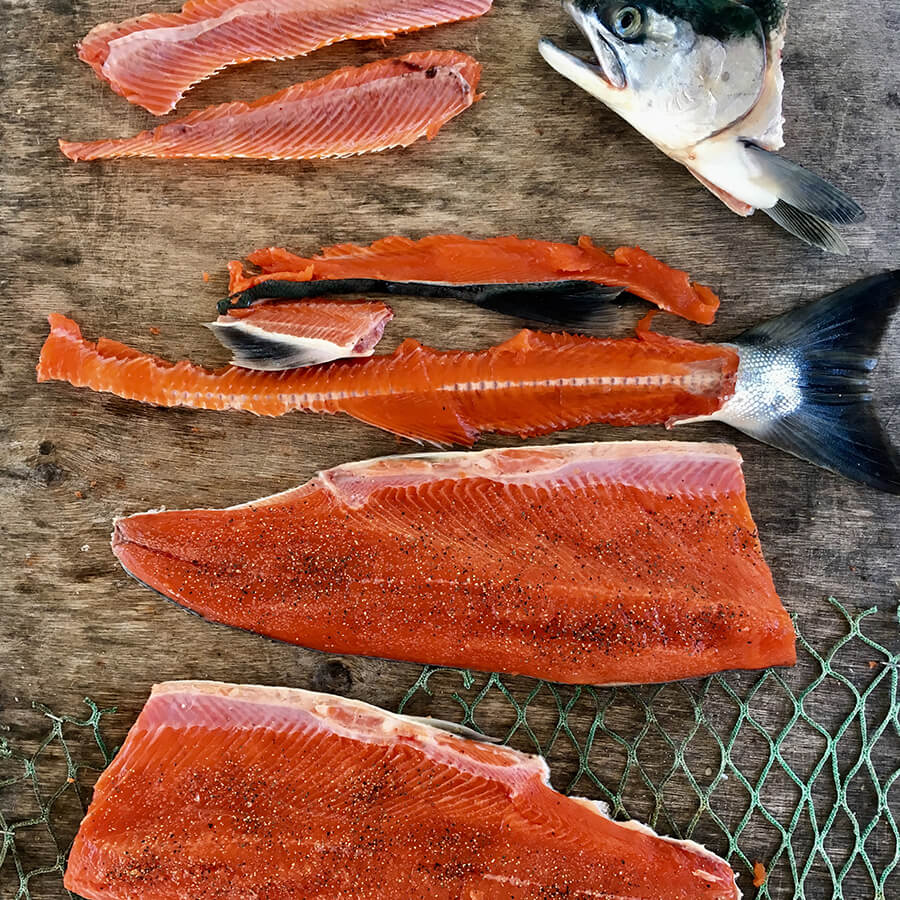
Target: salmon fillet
454 259
227 791
154 59
581 563
287 335
389 103
533 384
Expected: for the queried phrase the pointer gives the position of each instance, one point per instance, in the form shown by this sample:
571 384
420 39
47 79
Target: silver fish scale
769 387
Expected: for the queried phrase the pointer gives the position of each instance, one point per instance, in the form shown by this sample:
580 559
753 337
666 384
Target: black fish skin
720 19
771 12
565 302
269 352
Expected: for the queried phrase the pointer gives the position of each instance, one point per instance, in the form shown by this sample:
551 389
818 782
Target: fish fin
829 349
804 190
808 206
808 227
254 348
453 728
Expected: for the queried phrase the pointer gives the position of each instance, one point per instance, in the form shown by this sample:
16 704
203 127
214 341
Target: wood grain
121 247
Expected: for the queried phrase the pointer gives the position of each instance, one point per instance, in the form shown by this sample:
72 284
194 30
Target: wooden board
121 247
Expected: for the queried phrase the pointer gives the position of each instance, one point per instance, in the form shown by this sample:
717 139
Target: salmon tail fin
804 383
570 302
808 206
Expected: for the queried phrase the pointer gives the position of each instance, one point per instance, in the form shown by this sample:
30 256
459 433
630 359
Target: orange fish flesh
226 791
289 335
418 267
154 59
388 103
533 384
580 563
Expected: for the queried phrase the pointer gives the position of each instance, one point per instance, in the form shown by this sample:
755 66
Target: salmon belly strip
389 103
287 335
227 791
355 327
454 259
533 384
582 563
154 59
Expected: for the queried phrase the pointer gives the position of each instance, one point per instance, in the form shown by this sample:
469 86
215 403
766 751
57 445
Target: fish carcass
533 384
800 382
227 791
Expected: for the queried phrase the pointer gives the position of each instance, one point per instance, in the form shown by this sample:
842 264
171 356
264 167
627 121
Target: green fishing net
37 792
795 770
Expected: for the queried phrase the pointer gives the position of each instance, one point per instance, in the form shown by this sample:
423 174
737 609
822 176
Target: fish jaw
589 77
603 44
605 80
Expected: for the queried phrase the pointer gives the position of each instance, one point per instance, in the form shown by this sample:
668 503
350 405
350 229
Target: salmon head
702 80
674 69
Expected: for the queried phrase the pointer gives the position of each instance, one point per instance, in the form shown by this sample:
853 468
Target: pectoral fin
808 206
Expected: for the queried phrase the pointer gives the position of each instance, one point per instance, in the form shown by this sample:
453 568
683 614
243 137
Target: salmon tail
804 382
808 206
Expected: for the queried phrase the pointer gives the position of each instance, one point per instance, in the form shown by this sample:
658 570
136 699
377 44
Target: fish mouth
608 67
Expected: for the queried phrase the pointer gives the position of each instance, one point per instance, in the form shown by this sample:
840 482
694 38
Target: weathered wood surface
121 247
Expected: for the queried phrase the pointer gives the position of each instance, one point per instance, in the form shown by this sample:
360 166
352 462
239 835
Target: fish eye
628 22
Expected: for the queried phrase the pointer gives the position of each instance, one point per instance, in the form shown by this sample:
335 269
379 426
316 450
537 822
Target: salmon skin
581 563
533 384
226 791
541 280
800 382
279 336
154 59
388 103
